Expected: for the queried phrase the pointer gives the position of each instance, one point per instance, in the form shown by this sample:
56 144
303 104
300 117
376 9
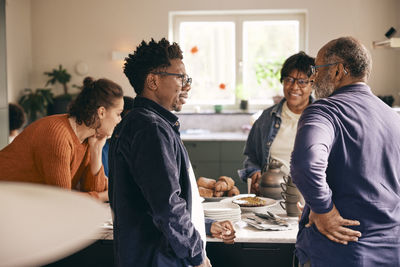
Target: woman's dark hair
16 116
352 53
148 57
300 62
95 94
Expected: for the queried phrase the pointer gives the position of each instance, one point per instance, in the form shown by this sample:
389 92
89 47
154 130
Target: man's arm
250 151
315 136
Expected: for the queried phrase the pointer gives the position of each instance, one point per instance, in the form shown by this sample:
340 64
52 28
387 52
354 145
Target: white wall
397 85
19 56
69 31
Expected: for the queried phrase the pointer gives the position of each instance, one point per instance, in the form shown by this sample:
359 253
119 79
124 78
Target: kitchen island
255 247
252 247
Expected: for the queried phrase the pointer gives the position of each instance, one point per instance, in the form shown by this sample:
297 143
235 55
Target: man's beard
180 102
177 107
323 87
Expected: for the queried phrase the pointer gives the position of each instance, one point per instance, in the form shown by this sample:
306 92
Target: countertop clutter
246 233
252 247
249 234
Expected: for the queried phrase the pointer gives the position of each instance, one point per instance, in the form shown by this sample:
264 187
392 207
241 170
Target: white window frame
238 17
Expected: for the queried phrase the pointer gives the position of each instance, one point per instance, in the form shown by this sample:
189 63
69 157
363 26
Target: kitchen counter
252 247
248 234
213 136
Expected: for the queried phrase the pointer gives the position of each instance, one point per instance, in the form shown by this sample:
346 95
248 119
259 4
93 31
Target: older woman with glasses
272 135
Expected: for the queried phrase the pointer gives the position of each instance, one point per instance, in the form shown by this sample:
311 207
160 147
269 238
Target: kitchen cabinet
212 159
250 254
100 254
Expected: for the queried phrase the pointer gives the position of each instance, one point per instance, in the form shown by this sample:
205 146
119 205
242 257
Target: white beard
323 87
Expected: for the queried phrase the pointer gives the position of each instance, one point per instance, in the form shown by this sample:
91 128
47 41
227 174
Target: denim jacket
259 141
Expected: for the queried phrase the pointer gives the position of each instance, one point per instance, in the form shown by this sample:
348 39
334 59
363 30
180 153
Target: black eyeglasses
300 82
186 80
313 69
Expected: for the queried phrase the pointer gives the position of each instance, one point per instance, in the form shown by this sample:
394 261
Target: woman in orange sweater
65 150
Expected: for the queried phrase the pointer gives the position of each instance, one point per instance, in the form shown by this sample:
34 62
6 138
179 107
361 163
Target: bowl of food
251 203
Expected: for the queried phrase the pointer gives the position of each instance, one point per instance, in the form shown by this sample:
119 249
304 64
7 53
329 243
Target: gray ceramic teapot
270 182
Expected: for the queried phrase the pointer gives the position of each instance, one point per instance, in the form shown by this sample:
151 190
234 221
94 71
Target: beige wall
19 56
397 85
69 31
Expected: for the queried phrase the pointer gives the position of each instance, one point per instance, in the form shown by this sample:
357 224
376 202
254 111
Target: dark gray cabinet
100 254
212 159
251 254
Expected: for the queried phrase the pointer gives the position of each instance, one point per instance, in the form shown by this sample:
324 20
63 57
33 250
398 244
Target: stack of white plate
219 211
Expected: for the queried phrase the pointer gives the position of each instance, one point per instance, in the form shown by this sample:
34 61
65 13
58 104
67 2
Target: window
236 55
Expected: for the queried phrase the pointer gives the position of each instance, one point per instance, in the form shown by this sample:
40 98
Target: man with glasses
345 162
273 134
158 215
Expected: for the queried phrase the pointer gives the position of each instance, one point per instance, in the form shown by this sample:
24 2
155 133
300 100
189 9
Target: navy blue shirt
149 191
347 153
104 156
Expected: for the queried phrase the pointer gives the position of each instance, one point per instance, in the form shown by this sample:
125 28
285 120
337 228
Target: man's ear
152 81
101 112
341 68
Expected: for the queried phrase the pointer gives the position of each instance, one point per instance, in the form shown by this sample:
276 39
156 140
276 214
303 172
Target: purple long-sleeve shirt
347 153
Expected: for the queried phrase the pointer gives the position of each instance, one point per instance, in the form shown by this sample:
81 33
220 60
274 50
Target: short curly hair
16 116
148 57
94 94
356 58
300 62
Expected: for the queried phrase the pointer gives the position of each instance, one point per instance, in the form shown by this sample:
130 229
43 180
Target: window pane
266 44
209 56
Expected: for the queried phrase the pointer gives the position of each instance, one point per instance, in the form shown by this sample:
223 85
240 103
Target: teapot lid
275 164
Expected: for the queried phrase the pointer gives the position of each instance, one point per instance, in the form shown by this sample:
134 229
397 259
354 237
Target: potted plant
270 73
62 77
35 103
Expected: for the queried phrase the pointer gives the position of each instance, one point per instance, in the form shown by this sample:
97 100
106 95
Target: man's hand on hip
331 224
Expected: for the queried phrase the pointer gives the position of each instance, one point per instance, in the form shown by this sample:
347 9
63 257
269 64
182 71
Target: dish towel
197 208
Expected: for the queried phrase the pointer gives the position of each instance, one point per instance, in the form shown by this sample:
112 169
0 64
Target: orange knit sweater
49 152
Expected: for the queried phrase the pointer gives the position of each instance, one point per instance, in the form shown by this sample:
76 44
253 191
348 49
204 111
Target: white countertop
214 136
248 234
397 109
